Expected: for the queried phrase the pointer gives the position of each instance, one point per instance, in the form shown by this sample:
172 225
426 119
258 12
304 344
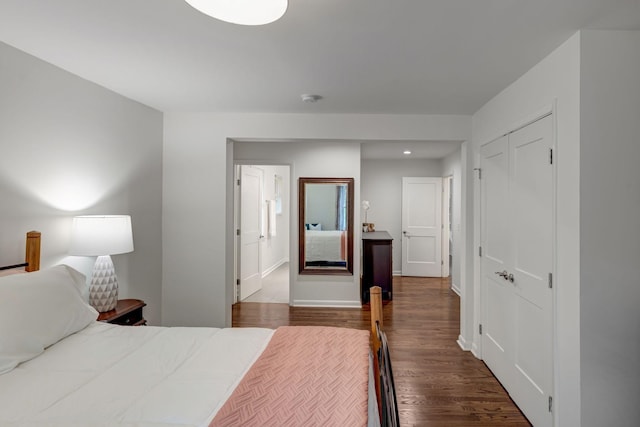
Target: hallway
275 287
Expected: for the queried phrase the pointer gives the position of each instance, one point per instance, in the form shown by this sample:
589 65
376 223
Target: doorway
262 233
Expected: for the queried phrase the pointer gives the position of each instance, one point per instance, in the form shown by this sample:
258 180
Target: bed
60 367
325 247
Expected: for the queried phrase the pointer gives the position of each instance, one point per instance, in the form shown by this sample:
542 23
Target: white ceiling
362 56
387 150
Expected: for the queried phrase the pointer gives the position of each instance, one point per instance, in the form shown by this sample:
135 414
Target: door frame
236 222
446 225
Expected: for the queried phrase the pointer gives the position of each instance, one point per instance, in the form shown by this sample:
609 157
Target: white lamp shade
243 12
96 235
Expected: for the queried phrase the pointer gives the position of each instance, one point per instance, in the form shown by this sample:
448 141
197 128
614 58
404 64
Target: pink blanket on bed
307 376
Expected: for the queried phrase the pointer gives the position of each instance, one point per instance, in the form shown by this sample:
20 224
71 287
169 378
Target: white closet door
497 292
517 260
532 218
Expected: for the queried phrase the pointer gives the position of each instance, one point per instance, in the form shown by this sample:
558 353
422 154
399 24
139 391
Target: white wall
313 159
275 249
198 192
610 228
382 187
70 147
556 79
320 206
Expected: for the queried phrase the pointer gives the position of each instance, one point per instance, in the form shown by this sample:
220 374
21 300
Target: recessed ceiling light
407 152
310 98
243 12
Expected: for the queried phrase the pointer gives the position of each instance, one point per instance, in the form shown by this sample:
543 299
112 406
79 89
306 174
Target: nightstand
127 312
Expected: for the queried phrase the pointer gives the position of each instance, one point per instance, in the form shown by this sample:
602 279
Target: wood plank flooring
437 384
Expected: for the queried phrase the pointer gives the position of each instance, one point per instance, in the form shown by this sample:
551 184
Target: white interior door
422 227
250 230
517 262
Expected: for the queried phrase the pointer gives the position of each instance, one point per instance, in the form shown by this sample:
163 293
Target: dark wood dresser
377 255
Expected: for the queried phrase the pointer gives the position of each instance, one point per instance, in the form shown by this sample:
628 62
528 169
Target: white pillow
39 309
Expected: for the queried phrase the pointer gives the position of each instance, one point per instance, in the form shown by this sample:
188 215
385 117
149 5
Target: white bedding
62 368
109 375
324 245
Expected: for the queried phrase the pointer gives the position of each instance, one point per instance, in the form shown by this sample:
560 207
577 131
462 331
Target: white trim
456 289
320 303
466 236
396 273
475 350
477 241
446 224
534 117
274 267
463 343
541 113
555 357
236 238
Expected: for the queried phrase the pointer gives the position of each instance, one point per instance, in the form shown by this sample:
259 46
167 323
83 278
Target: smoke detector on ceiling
310 98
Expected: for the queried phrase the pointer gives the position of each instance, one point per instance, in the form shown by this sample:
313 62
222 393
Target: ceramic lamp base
103 291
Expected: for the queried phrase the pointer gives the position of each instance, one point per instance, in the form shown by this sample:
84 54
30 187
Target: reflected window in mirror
325 226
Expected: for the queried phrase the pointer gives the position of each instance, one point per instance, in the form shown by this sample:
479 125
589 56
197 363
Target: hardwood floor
437 384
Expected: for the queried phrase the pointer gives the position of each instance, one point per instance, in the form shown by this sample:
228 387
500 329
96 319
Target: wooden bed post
32 255
375 295
375 299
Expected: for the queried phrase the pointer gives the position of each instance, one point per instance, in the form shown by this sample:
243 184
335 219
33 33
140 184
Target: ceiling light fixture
310 98
242 12
407 152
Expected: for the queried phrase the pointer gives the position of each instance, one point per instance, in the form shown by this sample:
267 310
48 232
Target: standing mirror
325 219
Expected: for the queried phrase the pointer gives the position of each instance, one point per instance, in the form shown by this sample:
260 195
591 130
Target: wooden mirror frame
335 271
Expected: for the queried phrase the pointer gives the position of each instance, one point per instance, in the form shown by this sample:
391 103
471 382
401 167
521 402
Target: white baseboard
274 267
463 343
475 351
326 303
456 289
396 273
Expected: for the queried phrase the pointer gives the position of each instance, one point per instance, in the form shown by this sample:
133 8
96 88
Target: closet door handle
511 278
503 274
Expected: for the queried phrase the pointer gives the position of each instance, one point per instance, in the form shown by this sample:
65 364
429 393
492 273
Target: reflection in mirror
325 225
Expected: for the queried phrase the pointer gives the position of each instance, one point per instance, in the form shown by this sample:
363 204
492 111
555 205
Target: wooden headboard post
32 255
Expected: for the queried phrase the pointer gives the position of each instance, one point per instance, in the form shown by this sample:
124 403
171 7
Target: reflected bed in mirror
325 219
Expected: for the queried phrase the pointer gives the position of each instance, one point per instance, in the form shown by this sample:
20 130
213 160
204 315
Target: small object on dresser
368 227
127 312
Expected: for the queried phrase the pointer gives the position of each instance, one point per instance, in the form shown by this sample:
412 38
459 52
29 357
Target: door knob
511 278
503 274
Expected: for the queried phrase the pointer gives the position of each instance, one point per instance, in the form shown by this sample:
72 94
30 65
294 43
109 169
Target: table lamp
102 236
